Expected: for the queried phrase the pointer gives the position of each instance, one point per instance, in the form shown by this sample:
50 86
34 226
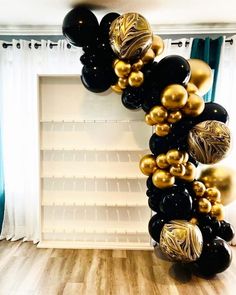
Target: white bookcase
92 192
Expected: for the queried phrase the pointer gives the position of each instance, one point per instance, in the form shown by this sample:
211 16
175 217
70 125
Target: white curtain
20 127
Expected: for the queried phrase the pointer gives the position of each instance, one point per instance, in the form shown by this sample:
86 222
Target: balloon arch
120 53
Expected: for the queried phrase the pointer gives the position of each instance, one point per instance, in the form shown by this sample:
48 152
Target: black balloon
106 23
216 257
80 26
155 226
176 203
226 231
212 111
207 232
132 98
172 69
96 79
154 203
88 59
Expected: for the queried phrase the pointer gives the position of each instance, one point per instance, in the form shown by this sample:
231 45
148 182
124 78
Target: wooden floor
25 270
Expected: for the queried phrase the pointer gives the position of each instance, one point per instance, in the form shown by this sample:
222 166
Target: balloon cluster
120 53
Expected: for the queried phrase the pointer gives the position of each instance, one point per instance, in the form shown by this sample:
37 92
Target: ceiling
52 12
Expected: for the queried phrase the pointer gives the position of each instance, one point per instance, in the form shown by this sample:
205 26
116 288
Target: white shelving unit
92 192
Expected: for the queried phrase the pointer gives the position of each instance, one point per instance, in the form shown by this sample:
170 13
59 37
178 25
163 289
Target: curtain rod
51 45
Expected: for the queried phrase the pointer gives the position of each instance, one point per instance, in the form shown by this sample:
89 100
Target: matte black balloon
176 203
172 69
215 258
212 111
132 98
80 26
106 23
155 226
226 231
96 79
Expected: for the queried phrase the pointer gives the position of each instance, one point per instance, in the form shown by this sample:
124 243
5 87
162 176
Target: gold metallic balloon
116 88
162 161
130 36
162 179
222 178
193 220
199 188
190 172
122 69
136 79
148 120
209 141
123 83
162 129
174 117
174 97
201 75
115 62
177 170
157 45
204 206
174 157
217 210
186 157
194 106
137 66
148 164
191 88
149 56
181 241
158 114
213 194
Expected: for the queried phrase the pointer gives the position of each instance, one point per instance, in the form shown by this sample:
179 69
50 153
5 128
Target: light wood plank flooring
26 270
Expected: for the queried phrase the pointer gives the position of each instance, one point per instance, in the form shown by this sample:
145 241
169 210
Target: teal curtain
2 192
208 50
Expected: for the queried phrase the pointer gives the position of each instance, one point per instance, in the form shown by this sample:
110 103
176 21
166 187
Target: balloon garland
120 53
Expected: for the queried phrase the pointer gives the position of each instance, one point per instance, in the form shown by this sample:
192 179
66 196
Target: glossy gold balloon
199 188
190 172
204 206
148 120
149 56
162 161
222 178
191 88
162 179
148 165
181 241
174 97
213 194
130 36
201 75
174 157
115 62
193 220
194 106
136 79
217 210
158 114
123 83
177 170
116 88
157 45
137 66
186 157
162 129
122 69
174 117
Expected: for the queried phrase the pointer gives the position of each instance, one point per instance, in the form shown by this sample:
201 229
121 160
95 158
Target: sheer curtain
18 93
20 127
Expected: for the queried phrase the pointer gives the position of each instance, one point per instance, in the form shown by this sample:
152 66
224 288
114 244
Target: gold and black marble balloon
209 142
130 36
181 240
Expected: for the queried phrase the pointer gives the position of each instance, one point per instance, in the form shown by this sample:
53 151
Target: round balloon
181 241
132 98
130 36
155 226
96 79
106 23
80 26
215 258
226 231
209 142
